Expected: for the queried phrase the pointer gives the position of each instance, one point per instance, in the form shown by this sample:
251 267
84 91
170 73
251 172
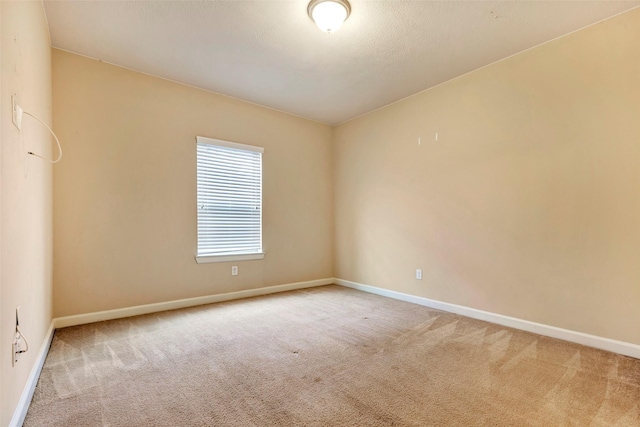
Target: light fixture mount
329 14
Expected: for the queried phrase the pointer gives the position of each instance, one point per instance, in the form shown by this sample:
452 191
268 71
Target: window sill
225 258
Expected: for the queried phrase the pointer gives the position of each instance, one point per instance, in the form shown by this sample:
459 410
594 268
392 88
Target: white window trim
205 259
226 258
229 144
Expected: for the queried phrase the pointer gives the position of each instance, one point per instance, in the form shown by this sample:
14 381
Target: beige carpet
326 356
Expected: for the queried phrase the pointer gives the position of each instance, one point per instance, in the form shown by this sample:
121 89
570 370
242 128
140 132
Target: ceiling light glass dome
329 14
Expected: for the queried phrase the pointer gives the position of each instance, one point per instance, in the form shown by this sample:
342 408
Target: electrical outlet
234 270
16 349
419 273
16 112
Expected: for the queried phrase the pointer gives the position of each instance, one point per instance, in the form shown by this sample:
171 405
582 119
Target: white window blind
229 199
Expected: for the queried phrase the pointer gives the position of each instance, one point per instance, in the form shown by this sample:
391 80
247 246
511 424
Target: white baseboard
81 319
620 347
30 387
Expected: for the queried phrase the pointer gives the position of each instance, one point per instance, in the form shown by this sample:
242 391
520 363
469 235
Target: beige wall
125 196
26 193
528 205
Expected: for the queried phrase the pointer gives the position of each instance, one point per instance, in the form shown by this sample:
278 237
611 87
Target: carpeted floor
327 356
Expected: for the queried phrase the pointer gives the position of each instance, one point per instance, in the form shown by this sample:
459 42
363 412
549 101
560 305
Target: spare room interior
246 213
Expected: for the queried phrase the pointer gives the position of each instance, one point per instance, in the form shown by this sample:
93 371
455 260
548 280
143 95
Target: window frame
225 257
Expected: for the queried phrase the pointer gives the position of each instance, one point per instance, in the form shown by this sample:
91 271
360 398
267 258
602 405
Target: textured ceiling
271 53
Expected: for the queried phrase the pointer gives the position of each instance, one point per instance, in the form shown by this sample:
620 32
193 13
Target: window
229 201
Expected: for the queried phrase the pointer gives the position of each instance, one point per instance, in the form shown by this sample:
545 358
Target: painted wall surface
527 205
26 194
125 194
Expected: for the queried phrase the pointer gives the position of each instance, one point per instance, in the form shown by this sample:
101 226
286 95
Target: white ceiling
272 54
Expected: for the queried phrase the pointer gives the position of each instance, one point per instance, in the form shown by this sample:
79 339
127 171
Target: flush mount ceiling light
329 14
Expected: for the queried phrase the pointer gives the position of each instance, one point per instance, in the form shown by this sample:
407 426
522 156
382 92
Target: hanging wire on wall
54 135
